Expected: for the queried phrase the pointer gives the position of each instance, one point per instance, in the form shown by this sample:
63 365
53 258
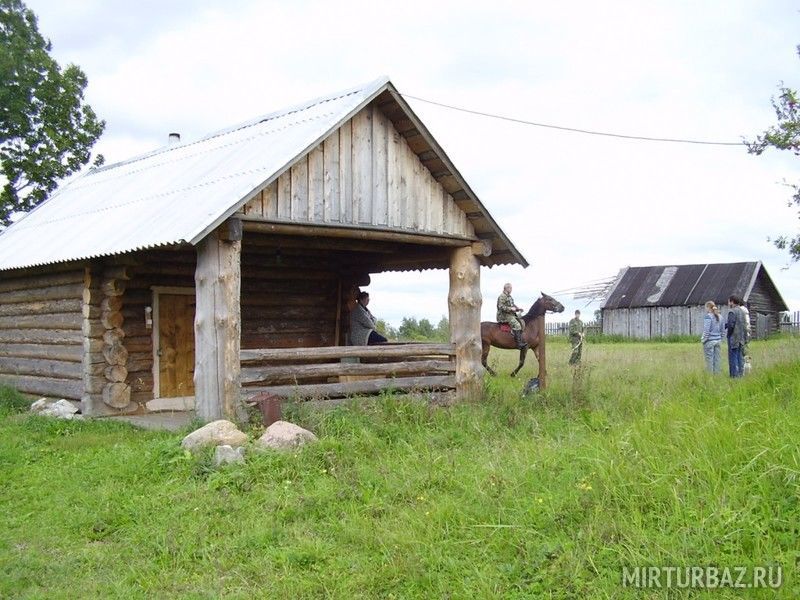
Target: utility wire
573 129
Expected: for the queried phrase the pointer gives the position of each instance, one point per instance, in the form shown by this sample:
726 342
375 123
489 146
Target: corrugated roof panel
172 195
686 285
685 279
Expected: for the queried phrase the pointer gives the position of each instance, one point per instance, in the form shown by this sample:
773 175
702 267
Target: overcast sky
578 207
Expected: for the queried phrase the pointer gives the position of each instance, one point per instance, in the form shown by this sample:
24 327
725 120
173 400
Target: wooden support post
464 301
217 329
542 355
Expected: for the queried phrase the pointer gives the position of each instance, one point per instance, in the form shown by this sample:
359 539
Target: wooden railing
341 371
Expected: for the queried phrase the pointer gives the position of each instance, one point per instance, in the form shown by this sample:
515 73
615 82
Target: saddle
505 327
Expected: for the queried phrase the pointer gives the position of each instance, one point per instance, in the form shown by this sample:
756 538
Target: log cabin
208 271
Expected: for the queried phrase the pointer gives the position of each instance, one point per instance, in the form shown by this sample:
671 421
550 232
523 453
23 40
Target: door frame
168 291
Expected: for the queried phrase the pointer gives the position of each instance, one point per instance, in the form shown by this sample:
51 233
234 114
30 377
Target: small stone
282 435
61 409
225 454
39 405
216 433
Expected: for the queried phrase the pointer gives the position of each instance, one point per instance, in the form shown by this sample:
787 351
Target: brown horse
492 335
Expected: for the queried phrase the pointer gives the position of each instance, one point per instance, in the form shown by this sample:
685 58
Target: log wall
286 302
41 321
363 174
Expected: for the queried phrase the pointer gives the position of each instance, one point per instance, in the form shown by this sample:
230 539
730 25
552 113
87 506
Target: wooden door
175 345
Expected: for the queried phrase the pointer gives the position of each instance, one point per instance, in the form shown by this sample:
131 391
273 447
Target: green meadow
645 461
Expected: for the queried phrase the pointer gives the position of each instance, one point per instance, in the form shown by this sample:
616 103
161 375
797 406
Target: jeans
711 351
735 361
375 338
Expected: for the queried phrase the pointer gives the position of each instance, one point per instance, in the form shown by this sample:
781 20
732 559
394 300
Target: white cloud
578 207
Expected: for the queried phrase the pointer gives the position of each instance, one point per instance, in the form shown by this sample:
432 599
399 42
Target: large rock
216 433
61 409
224 455
282 435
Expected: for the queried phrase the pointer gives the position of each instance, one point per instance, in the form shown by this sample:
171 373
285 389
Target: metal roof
179 193
686 285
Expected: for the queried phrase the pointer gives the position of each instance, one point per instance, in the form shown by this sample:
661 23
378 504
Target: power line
573 129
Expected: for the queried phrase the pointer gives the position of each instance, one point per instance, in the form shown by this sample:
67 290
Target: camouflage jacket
575 327
505 308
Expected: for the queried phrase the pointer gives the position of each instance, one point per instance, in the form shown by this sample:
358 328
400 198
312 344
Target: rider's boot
518 339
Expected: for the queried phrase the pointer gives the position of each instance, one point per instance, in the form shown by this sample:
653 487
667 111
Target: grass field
649 463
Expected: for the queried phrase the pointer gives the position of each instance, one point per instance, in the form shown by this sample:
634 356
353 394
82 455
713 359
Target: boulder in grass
282 435
60 409
216 433
224 455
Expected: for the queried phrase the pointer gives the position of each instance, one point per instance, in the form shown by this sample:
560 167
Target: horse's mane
533 312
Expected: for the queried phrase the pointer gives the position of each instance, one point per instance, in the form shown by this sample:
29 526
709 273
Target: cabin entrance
173 341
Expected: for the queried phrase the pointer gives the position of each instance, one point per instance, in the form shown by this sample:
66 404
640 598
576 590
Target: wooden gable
364 174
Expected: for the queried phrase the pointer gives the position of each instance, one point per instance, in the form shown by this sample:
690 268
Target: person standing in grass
737 336
576 335
712 337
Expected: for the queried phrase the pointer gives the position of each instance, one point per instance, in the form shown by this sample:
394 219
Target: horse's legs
522 353
484 355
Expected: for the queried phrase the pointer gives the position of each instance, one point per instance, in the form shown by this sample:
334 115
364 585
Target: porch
343 371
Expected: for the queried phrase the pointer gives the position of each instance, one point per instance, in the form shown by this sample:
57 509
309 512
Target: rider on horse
507 312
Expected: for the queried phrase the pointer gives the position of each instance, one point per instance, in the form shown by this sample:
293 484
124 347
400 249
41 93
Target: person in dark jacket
736 329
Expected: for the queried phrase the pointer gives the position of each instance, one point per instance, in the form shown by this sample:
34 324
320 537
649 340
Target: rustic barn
650 302
212 270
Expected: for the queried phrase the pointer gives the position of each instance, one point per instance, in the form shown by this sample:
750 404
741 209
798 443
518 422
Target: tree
443 329
46 129
784 136
385 329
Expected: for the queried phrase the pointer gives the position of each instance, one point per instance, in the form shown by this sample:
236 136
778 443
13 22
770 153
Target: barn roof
687 285
179 193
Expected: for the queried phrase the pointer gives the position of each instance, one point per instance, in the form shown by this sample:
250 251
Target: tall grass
648 462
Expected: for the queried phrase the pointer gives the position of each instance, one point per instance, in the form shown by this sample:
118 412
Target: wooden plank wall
286 302
41 339
656 321
762 301
364 173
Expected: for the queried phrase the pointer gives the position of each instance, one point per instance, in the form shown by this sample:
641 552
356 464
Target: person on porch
362 324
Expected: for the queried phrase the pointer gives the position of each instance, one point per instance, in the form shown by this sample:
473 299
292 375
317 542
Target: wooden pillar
464 301
217 326
542 355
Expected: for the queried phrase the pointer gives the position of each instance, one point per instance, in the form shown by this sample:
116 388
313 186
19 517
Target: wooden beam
482 248
464 301
299 372
71 389
356 233
217 329
369 386
259 242
382 351
71 353
41 367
